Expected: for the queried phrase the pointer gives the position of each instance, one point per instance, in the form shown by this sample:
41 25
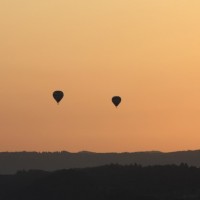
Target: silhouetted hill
12 162
111 182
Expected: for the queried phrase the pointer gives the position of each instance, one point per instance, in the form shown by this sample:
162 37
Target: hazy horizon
98 152
147 52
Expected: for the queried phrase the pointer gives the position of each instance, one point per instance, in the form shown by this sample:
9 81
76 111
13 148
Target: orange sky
147 52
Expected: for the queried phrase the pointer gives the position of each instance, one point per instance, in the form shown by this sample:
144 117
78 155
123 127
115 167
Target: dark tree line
110 182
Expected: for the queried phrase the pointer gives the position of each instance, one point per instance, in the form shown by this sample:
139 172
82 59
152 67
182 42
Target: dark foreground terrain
111 182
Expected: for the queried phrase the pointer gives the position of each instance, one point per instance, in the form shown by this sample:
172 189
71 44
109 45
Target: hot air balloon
116 100
58 95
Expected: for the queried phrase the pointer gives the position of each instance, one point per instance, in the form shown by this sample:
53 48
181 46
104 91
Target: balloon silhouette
116 100
58 95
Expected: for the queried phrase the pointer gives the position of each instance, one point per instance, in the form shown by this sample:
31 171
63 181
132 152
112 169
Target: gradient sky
146 51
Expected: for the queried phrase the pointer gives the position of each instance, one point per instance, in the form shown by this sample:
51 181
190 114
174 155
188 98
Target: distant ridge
11 162
86 152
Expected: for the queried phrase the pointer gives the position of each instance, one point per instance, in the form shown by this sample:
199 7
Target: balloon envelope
116 100
58 95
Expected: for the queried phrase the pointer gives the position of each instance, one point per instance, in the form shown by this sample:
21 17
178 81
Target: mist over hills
11 162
